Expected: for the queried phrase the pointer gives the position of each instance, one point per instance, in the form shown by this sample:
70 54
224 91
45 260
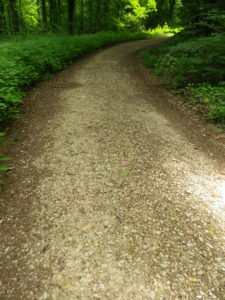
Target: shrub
198 62
25 61
213 99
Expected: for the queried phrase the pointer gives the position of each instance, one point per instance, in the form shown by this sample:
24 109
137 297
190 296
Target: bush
25 61
212 98
195 61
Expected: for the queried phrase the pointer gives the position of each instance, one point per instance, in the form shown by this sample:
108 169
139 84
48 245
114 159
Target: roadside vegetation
40 37
26 61
193 61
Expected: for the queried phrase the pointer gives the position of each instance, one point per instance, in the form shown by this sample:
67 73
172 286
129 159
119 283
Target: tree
2 17
71 7
43 12
13 16
205 17
84 16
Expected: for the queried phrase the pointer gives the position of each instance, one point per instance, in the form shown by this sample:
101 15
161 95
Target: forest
40 37
112 149
84 16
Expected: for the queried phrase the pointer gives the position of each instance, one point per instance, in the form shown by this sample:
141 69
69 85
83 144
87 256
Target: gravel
114 194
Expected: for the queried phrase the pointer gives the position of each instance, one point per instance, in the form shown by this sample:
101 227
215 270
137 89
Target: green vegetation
84 16
24 62
43 36
193 61
212 98
3 166
61 31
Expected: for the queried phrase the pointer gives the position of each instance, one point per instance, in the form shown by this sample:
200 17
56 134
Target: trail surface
115 193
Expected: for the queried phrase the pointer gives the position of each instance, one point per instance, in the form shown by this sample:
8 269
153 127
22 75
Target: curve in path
112 196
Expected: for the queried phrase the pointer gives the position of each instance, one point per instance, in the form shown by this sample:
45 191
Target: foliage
135 14
166 12
73 16
198 62
85 16
90 16
3 166
192 61
26 61
211 97
204 16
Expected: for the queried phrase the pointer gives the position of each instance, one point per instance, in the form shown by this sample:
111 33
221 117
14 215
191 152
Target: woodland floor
117 190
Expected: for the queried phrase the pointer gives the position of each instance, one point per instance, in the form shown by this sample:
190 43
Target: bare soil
117 189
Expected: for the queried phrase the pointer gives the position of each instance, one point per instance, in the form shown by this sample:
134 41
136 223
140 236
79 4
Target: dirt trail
115 193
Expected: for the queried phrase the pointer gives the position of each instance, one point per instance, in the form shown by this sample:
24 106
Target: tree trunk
71 6
20 13
2 18
172 4
14 16
82 16
97 15
59 11
53 13
44 14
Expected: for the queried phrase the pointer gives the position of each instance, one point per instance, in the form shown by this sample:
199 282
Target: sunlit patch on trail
204 187
219 197
212 193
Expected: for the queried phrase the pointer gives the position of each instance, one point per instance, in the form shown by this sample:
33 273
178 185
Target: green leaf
4 158
124 174
68 286
217 129
4 167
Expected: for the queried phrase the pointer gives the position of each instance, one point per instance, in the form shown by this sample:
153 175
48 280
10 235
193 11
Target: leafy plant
3 166
124 174
213 99
195 66
25 61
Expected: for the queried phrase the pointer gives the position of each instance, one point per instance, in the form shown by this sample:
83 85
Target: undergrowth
25 60
195 66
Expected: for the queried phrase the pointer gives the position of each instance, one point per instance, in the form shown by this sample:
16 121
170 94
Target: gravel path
114 194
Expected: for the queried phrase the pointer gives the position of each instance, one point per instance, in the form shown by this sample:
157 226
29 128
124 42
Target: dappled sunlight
215 197
113 188
210 194
202 185
219 198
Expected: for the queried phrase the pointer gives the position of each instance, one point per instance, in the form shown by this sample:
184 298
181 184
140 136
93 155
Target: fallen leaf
193 280
215 196
124 174
68 286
